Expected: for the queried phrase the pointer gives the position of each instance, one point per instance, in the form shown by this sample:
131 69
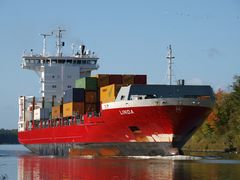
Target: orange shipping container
103 80
57 111
109 93
73 108
128 79
91 97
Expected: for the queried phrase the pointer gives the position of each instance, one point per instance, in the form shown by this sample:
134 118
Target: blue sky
128 36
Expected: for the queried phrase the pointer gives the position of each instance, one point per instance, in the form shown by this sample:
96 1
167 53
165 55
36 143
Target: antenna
45 43
60 44
73 48
170 58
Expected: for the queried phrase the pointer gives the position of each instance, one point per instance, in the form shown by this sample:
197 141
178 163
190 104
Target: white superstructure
58 73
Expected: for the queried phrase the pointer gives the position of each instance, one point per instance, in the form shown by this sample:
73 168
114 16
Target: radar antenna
45 43
170 58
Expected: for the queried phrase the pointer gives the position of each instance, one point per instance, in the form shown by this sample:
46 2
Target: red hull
113 126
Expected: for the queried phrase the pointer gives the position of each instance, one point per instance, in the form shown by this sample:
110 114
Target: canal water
16 162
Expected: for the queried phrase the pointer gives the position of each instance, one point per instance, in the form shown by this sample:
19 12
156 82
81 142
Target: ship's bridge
35 62
58 73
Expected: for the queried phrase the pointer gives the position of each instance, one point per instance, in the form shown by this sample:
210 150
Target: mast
44 43
170 62
60 44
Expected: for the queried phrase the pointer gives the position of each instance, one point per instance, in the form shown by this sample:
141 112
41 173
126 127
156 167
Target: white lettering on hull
126 112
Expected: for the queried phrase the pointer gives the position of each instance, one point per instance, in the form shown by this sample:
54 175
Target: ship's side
156 126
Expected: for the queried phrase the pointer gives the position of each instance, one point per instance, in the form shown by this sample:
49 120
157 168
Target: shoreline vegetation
219 133
8 136
221 130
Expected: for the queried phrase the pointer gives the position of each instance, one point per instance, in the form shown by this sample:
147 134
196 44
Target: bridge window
69 61
150 96
61 61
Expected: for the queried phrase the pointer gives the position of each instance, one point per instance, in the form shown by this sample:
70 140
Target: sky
128 37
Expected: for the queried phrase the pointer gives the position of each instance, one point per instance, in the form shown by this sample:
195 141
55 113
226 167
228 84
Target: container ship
81 114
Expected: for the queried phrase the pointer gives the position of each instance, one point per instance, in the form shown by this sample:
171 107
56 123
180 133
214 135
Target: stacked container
89 92
74 95
115 79
91 101
41 114
73 102
140 79
87 83
91 96
128 79
103 80
73 109
109 93
57 111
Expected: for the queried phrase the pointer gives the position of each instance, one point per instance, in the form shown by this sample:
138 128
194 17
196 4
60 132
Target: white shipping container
41 114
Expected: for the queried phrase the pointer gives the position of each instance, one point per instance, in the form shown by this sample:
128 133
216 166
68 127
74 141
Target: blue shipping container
74 95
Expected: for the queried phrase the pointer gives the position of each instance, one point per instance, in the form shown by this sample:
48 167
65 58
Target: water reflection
38 167
35 167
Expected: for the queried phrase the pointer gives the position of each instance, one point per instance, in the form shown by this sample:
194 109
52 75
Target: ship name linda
126 112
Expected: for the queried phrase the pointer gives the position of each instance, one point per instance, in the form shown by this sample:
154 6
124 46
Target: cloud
213 52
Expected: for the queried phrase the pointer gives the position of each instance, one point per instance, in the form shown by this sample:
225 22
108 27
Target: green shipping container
87 83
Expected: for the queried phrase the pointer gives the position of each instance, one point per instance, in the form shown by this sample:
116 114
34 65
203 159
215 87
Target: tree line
8 136
221 130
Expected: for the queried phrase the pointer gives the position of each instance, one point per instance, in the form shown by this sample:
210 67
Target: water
16 162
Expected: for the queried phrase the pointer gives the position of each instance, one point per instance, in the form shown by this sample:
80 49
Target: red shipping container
115 79
91 97
140 79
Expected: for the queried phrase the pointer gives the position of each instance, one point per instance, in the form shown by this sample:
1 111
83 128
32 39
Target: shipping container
28 115
41 114
73 109
103 80
48 105
91 97
109 93
90 107
128 79
140 79
57 111
74 95
87 83
115 79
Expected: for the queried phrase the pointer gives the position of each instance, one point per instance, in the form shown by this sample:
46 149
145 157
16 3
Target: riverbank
220 143
8 136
